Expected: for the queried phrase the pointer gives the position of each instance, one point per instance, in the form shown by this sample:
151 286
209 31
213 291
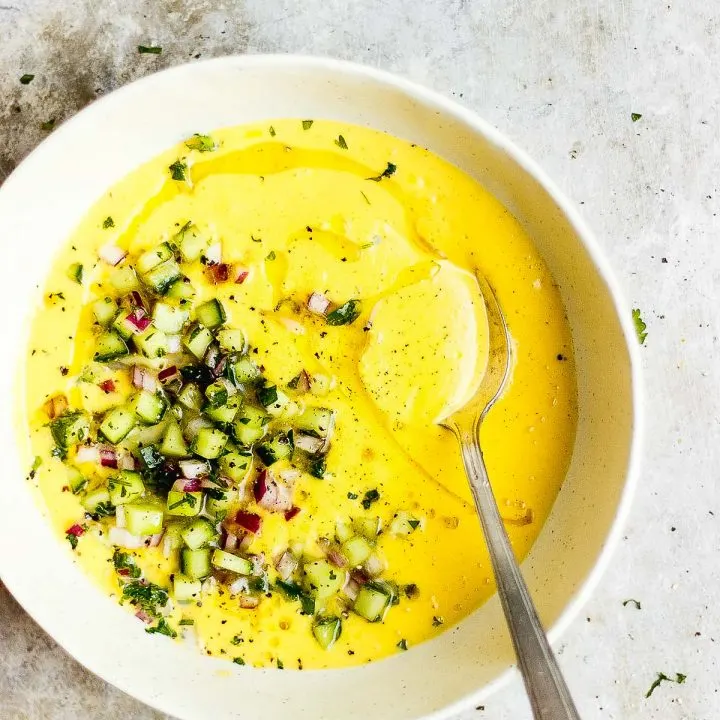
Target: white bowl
49 193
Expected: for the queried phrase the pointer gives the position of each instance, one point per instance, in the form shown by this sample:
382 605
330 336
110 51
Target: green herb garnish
145 595
438 620
271 255
149 49
178 170
279 662
386 173
75 273
352 496
238 661
272 131
345 314
72 539
125 563
340 142
108 222
307 124
402 644
635 602
371 496
27 79
162 628
186 499
640 326
635 116
186 621
267 395
201 143
662 677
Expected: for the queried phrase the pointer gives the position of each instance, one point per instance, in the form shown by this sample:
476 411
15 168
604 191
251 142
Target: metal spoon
549 696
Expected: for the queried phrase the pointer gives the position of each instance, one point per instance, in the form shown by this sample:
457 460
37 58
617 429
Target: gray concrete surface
562 78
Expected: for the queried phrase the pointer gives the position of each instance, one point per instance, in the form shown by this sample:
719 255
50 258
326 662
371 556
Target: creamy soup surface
234 383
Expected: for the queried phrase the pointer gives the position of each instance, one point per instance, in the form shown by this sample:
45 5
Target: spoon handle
549 695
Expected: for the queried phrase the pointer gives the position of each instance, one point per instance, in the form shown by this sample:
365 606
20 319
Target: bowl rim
448 107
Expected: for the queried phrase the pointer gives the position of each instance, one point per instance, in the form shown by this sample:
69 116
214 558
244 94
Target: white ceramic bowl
48 194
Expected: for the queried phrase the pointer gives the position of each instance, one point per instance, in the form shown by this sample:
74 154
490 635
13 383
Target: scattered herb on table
26 79
635 116
640 326
662 677
635 602
149 49
48 125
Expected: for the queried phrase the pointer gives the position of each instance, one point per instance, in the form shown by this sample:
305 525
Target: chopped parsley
402 644
238 661
438 620
272 131
103 509
108 222
186 621
279 662
386 173
72 539
640 326
125 564
236 640
271 255
26 79
201 143
145 595
178 170
345 314
352 496
371 496
37 462
340 142
635 116
662 677
162 628
411 591
48 125
149 49
307 124
635 602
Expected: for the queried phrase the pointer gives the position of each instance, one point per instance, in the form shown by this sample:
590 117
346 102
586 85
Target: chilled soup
234 383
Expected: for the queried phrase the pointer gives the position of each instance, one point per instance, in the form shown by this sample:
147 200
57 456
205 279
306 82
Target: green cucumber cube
125 487
198 533
184 504
195 563
232 563
117 423
209 443
143 519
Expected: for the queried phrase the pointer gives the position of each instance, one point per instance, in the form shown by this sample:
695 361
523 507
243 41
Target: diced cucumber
173 444
105 310
372 601
76 480
70 429
321 385
369 527
122 326
198 533
94 498
152 343
168 318
404 523
251 426
152 258
227 412
211 314
184 504
124 279
125 487
196 563
318 466
323 578
209 443
243 371
274 449
272 399
143 519
232 340
185 589
220 501
343 530
191 243
118 423
235 466
151 458
326 631
357 550
160 278
198 340
109 346
150 407
181 290
173 535
191 397
216 394
233 563
316 421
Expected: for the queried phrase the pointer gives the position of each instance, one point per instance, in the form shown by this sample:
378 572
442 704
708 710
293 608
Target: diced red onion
286 565
240 274
292 512
337 558
214 254
374 565
248 521
111 254
248 602
219 272
359 576
120 516
308 443
108 458
144 379
174 344
192 469
142 615
212 356
261 485
240 585
126 461
351 588
290 476
272 495
231 542
88 454
138 321
155 539
184 485
318 303
169 373
107 386
219 369
121 537
258 562
76 530
136 299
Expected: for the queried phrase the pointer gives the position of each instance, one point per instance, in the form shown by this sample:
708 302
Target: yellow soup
244 352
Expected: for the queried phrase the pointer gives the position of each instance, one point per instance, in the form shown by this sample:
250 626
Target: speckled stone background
562 78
